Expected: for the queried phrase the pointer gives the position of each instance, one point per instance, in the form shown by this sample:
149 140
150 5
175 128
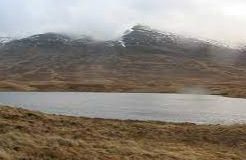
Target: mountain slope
143 60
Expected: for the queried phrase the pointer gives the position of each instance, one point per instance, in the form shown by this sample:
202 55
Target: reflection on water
141 106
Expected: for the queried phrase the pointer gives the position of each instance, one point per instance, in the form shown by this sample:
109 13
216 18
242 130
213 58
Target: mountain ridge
143 60
72 37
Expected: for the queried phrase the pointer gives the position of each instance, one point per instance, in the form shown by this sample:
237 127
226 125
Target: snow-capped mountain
5 39
146 37
143 59
137 36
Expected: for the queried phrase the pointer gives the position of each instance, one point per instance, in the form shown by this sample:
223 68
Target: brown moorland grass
29 135
232 89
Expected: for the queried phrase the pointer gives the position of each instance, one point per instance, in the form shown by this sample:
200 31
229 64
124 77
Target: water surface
138 106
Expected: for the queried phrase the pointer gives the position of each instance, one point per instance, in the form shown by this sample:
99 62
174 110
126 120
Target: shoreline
123 92
229 89
33 135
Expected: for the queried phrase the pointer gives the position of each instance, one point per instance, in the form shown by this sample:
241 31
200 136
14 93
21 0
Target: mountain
5 40
145 37
142 60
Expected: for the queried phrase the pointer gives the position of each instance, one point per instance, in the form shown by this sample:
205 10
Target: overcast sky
222 20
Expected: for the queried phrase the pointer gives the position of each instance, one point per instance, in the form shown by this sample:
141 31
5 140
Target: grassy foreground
28 135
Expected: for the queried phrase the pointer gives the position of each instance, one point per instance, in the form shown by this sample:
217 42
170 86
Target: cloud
222 20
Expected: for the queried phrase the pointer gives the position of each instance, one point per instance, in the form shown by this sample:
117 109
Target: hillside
33 135
142 60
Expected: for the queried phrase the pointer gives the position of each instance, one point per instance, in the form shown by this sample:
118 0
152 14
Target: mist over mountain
142 60
99 58
138 36
221 20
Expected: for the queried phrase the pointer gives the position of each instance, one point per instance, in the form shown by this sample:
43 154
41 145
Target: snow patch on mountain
122 43
5 39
